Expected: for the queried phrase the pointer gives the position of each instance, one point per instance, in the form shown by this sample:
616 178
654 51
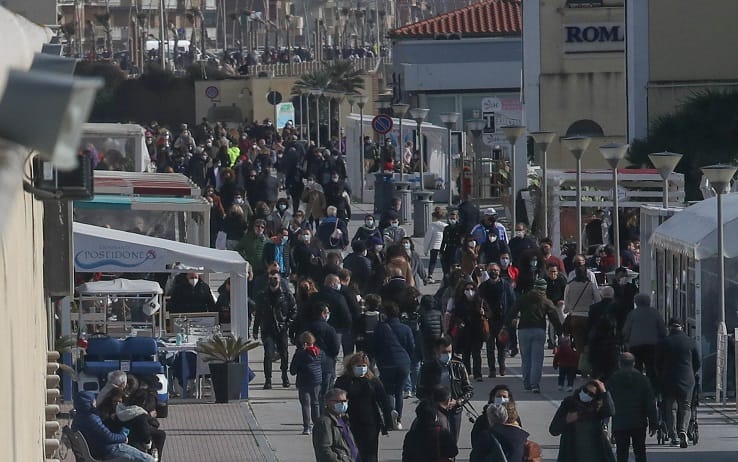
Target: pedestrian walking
307 365
644 328
468 317
635 406
579 423
333 440
328 341
427 439
678 361
566 360
369 406
433 240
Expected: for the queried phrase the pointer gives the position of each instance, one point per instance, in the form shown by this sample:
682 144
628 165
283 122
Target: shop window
585 127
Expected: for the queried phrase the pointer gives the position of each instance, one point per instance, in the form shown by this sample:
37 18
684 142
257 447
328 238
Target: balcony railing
307 67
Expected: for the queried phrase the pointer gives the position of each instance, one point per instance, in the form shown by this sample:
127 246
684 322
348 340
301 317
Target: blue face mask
285 239
340 408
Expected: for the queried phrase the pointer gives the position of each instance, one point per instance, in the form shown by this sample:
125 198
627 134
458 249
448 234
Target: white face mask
445 358
338 287
360 371
327 317
370 223
501 400
471 244
492 238
584 397
378 248
306 238
469 294
452 221
520 233
394 224
504 262
406 245
193 281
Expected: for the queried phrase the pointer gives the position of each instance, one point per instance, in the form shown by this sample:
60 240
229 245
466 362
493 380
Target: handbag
485 328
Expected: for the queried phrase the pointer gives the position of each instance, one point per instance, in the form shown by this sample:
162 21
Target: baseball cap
490 211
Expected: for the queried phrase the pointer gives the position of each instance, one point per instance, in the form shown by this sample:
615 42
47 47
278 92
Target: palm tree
335 77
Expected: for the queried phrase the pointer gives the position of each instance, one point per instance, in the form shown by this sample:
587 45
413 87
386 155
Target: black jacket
326 230
430 378
334 196
427 443
275 311
369 407
270 255
518 245
499 296
340 313
361 270
431 319
451 241
635 405
267 189
190 299
306 260
677 361
326 338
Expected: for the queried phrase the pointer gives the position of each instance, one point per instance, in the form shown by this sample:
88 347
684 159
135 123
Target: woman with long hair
369 407
579 423
306 288
428 439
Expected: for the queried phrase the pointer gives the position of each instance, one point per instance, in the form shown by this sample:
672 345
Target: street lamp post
476 126
613 154
719 177
513 133
399 110
423 202
361 102
419 114
317 92
665 162
543 140
449 120
577 145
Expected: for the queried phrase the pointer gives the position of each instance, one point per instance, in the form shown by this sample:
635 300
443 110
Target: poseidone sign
594 37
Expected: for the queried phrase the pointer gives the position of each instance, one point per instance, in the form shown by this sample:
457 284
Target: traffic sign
274 97
382 124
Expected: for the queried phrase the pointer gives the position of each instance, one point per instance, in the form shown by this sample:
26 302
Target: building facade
574 74
668 63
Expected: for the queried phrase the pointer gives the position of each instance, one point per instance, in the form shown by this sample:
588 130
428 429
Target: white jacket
434 235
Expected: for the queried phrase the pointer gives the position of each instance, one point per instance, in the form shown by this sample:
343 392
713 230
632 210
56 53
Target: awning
693 231
104 249
120 287
170 204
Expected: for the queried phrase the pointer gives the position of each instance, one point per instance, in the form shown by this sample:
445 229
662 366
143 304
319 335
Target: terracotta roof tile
486 18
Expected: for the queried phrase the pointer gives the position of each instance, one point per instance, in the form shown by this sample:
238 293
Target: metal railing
308 67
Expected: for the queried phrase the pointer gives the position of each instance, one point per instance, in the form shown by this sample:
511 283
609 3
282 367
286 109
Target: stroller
693 428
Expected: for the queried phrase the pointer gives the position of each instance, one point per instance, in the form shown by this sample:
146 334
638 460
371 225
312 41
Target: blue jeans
393 379
346 339
125 451
412 379
532 342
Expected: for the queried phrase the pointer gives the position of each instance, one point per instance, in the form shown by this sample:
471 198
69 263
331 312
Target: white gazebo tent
111 250
687 285
147 291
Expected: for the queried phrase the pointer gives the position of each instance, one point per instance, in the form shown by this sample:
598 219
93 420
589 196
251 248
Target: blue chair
102 356
142 352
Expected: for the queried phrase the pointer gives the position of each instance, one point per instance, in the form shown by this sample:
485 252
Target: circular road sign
274 97
382 124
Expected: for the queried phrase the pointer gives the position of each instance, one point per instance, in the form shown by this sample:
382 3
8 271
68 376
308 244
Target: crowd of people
508 294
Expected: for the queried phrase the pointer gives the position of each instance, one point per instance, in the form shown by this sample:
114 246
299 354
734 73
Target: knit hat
540 284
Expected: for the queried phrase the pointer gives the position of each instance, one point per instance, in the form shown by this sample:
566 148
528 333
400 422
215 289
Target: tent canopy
104 249
693 231
120 287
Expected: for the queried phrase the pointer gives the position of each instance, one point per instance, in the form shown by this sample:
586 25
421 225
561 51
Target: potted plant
226 373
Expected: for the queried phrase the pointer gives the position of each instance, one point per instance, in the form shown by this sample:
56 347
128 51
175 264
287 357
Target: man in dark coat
275 311
334 195
677 362
522 241
635 409
602 338
340 318
267 188
328 342
332 231
359 265
190 295
500 297
451 241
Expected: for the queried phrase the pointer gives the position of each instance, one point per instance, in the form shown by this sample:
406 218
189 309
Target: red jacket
566 356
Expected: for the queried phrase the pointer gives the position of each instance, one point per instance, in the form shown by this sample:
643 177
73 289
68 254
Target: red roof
487 18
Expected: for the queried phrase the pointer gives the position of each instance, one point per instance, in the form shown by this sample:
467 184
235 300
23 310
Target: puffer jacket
99 437
434 235
307 366
275 311
397 344
431 318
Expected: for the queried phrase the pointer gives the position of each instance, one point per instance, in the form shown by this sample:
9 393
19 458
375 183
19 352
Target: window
578 3
585 127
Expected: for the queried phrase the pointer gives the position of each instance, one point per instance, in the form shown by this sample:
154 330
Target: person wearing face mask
394 233
624 297
508 271
446 371
190 294
428 439
450 242
252 246
466 313
433 240
327 340
366 396
522 241
367 231
341 317
500 395
579 423
489 227
468 255
359 265
280 217
235 222
416 265
198 167
275 311
548 256
314 201
278 251
335 194
580 260
531 267
333 440
500 297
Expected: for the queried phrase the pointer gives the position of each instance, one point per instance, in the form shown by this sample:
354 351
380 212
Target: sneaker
682 439
306 431
561 388
395 421
502 372
492 374
570 389
536 389
513 352
286 383
268 385
674 441
399 426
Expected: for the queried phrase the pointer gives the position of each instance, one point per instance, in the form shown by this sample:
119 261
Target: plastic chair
142 352
203 371
102 356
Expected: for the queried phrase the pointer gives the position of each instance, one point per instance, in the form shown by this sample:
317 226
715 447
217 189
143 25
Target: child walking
566 359
307 366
